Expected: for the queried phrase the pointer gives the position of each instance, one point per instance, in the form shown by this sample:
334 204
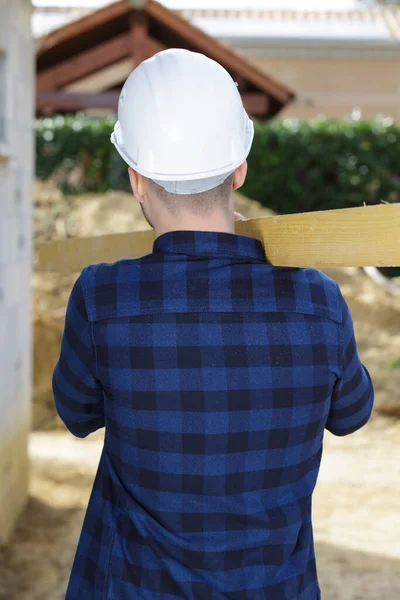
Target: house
83 64
334 60
16 170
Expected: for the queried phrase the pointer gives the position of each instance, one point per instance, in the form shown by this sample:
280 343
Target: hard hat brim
184 176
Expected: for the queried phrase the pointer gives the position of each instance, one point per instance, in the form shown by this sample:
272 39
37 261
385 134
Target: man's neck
215 223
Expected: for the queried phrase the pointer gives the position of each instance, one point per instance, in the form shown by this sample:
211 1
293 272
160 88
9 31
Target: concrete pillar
16 175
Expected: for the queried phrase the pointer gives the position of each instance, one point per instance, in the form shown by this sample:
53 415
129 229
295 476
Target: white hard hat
181 122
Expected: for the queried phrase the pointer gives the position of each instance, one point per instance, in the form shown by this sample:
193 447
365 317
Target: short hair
203 202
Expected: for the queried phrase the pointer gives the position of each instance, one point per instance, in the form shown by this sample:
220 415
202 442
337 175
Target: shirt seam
94 348
85 290
90 322
200 309
342 348
210 253
341 334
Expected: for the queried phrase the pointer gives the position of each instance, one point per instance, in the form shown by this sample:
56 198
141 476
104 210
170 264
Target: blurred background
321 80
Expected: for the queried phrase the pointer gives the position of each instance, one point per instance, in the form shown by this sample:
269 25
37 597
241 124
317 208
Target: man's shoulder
313 290
104 283
100 272
317 278
116 289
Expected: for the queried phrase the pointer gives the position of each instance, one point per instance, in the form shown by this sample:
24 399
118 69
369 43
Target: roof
380 25
103 40
227 4
44 21
52 14
70 4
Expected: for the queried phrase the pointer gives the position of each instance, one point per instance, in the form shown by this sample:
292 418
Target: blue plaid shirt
214 375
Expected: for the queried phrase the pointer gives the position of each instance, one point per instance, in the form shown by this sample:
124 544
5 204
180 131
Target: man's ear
137 185
239 176
133 179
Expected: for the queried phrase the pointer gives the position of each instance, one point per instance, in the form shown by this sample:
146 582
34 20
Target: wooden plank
71 102
365 236
353 237
84 64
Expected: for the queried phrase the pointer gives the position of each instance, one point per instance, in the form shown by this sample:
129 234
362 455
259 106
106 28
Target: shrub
76 151
294 166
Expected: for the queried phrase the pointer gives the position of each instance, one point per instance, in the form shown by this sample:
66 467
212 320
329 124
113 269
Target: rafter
255 104
84 64
104 79
83 25
72 102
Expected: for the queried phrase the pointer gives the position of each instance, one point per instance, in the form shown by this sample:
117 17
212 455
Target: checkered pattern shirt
215 376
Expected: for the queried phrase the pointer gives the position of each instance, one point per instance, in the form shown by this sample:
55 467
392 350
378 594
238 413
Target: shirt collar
209 243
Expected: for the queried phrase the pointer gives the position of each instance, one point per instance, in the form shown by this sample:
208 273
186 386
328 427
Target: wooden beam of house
85 63
187 35
256 104
90 21
139 37
72 102
356 237
154 46
105 79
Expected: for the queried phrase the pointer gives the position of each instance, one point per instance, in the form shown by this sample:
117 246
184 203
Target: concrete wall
16 170
333 85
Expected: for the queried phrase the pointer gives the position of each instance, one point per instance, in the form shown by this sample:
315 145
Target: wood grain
358 237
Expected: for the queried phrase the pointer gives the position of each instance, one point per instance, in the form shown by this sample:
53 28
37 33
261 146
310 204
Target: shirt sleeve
353 394
78 394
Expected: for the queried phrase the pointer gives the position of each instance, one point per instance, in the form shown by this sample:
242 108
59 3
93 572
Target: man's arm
353 394
77 392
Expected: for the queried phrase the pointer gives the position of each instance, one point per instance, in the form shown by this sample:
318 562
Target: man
213 373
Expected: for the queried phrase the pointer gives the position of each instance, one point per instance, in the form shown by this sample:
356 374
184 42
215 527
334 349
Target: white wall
16 170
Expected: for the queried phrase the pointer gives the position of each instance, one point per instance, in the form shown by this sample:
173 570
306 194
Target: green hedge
77 153
293 166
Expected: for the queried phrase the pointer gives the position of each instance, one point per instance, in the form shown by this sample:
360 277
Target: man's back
215 375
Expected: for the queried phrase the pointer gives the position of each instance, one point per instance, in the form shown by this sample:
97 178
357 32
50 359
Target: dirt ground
356 515
356 503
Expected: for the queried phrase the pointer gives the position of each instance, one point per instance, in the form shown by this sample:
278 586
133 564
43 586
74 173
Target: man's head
184 133
164 211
